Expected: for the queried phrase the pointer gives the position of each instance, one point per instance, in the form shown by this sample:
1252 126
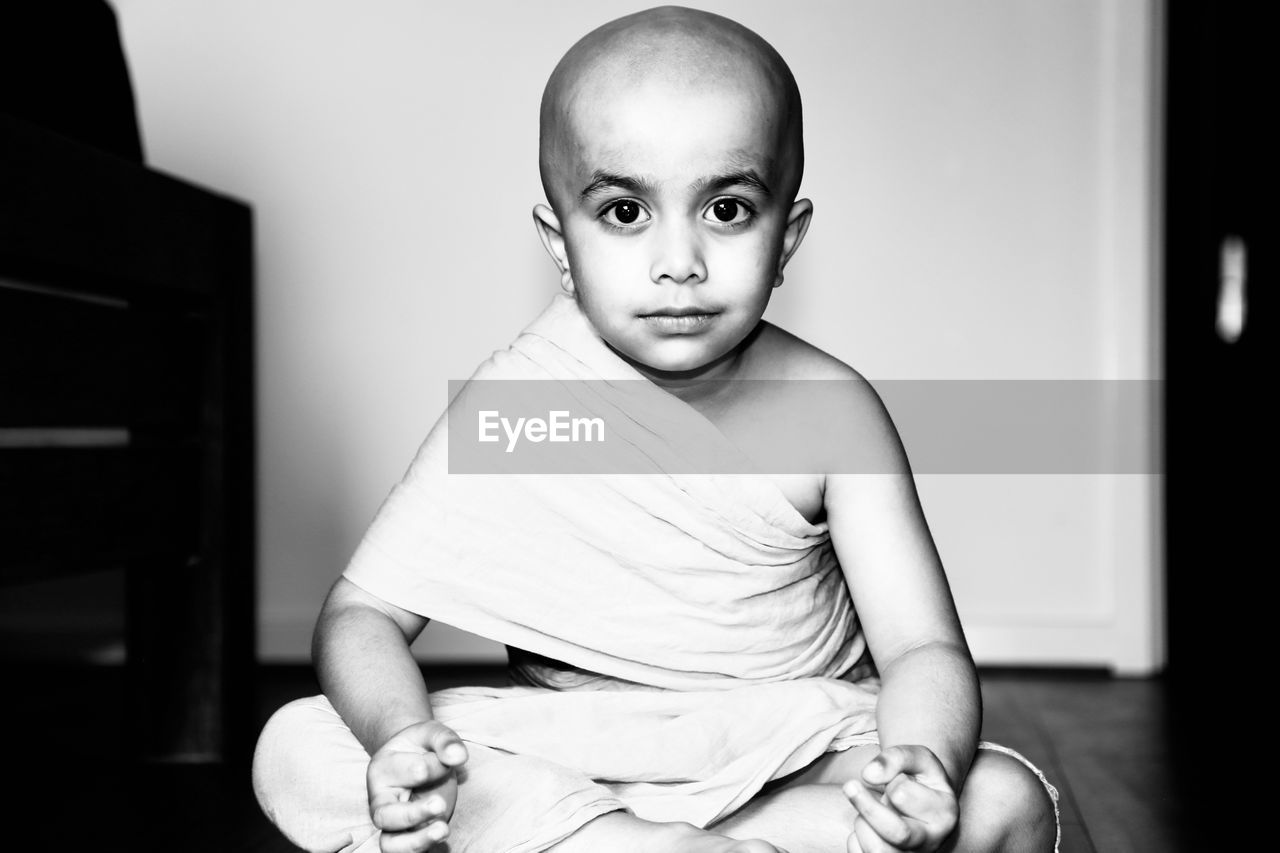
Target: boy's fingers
914 760
852 844
919 801
399 816
888 825
883 767
438 738
416 841
867 840
448 746
404 770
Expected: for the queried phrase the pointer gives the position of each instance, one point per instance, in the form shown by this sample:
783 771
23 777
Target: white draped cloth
706 625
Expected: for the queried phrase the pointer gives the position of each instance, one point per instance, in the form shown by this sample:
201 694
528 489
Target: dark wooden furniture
126 420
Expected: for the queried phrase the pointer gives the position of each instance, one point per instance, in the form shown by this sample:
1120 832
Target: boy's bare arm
929 693
361 653
362 657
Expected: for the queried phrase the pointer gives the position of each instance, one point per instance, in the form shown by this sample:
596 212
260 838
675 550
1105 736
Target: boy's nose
677 257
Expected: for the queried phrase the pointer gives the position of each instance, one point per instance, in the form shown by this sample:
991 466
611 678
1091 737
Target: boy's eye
728 211
625 212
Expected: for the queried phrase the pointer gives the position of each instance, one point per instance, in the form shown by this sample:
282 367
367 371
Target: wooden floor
1105 743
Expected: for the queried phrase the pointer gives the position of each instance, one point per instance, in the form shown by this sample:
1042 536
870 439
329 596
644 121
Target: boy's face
673 208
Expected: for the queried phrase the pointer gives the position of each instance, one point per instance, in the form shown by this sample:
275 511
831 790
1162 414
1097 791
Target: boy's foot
620 832
713 843
684 838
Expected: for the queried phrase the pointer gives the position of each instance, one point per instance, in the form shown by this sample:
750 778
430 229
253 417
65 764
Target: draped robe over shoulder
707 636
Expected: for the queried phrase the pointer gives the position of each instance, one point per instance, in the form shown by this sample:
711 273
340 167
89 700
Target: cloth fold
687 582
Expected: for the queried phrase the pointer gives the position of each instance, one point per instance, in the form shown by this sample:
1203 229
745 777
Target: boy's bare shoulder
778 354
840 418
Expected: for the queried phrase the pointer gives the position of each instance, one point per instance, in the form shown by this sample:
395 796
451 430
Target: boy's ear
552 236
797 225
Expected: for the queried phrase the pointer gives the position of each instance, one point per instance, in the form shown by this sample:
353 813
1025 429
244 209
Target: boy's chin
673 366
669 357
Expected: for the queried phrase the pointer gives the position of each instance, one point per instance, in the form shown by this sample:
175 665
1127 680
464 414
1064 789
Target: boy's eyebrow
602 182
743 178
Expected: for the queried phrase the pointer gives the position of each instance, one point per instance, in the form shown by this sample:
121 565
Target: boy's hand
904 802
413 788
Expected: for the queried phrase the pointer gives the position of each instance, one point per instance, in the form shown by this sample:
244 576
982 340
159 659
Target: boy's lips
678 312
679 321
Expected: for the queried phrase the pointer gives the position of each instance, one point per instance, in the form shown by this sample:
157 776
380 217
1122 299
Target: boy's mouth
679 320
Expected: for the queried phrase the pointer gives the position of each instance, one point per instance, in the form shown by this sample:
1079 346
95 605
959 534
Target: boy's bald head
683 51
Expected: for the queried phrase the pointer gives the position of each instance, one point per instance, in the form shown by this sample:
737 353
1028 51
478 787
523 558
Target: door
1219 326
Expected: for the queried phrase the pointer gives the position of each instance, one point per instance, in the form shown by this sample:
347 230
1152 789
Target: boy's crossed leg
1003 807
310 779
621 832
309 776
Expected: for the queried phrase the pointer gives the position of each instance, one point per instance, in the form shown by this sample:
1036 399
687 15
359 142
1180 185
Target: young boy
703 662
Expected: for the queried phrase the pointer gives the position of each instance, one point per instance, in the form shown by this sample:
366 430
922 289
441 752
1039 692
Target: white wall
981 173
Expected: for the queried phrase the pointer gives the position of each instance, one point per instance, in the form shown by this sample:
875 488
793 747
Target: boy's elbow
950 652
347 602
323 632
332 607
